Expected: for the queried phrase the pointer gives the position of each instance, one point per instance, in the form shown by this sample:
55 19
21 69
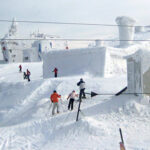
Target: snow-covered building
11 49
138 72
19 51
43 42
31 55
126 30
97 61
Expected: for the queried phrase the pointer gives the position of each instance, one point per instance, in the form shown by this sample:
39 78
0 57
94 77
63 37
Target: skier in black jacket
81 84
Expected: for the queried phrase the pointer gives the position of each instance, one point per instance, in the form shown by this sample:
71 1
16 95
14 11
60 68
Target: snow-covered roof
124 20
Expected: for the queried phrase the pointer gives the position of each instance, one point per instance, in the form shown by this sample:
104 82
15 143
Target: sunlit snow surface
26 122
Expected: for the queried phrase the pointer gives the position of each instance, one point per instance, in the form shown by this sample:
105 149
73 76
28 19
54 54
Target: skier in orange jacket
55 100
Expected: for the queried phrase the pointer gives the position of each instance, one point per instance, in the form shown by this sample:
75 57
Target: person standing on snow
72 96
81 84
54 99
20 68
28 75
55 72
24 75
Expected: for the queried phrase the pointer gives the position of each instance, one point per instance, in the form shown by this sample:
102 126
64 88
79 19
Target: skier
24 75
55 72
72 96
20 68
54 99
81 84
28 75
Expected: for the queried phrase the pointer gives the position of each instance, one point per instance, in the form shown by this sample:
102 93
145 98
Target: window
26 58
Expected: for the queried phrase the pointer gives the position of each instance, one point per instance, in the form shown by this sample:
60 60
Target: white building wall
130 76
76 62
138 68
31 55
146 82
15 55
117 65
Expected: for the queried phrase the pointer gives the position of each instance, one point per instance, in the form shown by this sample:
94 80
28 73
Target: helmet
54 91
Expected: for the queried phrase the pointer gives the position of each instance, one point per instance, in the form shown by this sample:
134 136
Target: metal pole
78 109
121 136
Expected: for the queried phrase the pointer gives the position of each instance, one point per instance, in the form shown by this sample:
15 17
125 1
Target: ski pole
122 147
121 135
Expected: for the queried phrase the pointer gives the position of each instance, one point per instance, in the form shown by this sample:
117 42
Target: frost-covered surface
26 121
142 55
99 61
126 29
77 61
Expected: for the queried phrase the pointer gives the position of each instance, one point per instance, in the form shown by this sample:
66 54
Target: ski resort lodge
138 72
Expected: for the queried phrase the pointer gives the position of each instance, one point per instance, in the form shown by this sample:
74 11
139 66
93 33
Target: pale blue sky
88 11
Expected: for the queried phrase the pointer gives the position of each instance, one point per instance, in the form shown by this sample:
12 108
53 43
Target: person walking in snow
81 84
28 75
20 68
55 99
72 97
55 72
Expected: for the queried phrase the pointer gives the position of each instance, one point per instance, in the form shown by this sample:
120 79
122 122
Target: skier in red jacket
20 68
55 72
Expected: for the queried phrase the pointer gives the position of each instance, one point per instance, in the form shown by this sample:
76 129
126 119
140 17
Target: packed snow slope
26 122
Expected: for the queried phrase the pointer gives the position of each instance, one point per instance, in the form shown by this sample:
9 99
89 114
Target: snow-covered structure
139 29
138 72
98 43
76 62
11 49
43 42
126 30
97 61
31 55
18 51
